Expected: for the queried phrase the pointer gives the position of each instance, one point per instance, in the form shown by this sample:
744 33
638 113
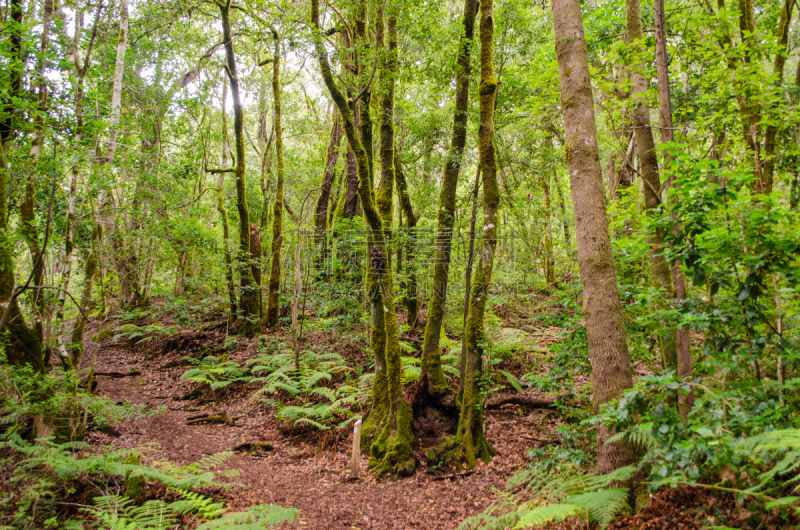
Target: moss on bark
277 209
431 357
469 444
248 303
391 446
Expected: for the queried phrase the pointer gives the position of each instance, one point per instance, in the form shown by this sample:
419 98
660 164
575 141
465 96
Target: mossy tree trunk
469 443
248 290
431 363
273 308
223 211
386 432
602 309
79 325
24 346
26 209
411 298
778 64
648 167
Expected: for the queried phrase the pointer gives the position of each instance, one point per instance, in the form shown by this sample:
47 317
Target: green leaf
513 380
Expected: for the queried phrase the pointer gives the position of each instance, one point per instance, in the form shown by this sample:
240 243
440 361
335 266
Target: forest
369 264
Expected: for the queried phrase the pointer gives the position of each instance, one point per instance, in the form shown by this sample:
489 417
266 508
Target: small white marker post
355 463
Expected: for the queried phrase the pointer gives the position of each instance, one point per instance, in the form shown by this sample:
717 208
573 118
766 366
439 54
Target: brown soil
304 471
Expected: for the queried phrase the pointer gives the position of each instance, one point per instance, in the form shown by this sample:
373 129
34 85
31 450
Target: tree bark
684 354
648 167
328 176
26 209
76 173
387 429
602 309
431 362
469 443
25 346
248 290
273 308
411 297
777 69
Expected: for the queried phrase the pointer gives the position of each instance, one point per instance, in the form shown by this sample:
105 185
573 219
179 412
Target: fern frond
256 518
602 505
552 513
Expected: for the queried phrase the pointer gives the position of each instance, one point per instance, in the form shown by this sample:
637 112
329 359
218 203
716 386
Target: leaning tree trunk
431 363
328 176
24 346
386 431
602 309
277 211
76 171
469 443
648 166
248 289
26 209
684 368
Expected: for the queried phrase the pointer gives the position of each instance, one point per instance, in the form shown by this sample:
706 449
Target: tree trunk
684 367
602 309
14 68
107 214
777 69
411 298
549 260
26 209
223 212
248 290
469 443
25 346
273 308
76 173
324 199
431 363
648 167
387 430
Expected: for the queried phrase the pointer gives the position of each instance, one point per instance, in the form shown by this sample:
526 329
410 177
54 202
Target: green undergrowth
49 477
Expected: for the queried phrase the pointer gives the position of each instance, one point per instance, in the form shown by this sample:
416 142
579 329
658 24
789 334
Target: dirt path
296 473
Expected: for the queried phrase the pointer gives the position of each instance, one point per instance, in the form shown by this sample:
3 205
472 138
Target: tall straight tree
277 210
602 309
386 432
469 444
431 363
684 356
76 173
248 296
648 167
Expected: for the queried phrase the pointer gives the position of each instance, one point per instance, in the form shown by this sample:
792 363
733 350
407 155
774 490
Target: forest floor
311 472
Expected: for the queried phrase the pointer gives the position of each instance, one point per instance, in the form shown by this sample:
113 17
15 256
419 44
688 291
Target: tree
469 443
248 296
277 210
602 309
431 360
386 432
648 167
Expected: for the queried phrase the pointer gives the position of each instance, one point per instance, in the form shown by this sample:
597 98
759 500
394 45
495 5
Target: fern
216 373
552 513
256 518
548 497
